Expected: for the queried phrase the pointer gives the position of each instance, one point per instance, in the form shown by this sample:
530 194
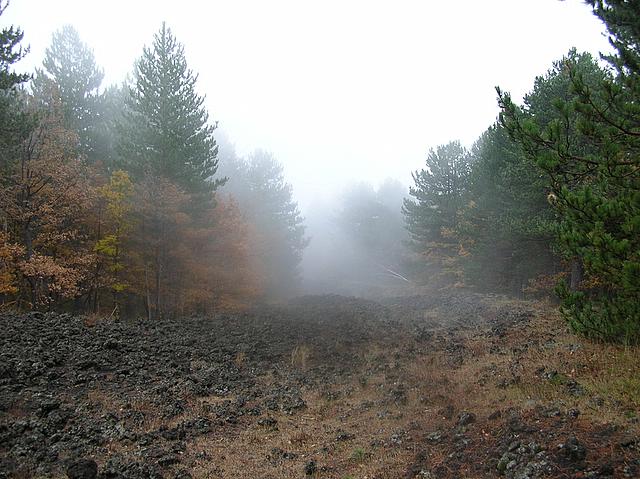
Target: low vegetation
455 385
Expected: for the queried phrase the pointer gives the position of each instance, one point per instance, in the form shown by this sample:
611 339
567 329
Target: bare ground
447 385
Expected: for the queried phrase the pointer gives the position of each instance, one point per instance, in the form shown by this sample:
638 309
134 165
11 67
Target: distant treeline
110 197
113 199
549 194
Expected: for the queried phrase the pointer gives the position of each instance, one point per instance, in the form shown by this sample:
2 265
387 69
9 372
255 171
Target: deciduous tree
46 200
118 196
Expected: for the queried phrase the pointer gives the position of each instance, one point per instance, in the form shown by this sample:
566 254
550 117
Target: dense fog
264 159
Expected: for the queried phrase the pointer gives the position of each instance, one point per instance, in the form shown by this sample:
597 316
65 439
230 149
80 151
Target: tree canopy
167 132
589 153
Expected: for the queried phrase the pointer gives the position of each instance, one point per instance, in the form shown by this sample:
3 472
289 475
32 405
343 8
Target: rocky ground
453 385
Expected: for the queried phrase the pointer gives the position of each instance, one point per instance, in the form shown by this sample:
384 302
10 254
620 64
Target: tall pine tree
431 216
506 222
69 69
167 131
15 124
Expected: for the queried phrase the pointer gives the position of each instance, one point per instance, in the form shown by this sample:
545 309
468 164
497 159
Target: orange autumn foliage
185 262
225 275
44 203
70 237
10 254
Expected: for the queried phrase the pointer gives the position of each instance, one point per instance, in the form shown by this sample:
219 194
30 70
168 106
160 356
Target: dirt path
438 386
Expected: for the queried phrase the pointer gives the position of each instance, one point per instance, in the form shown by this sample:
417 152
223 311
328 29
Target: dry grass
300 356
435 393
312 434
394 398
240 358
601 380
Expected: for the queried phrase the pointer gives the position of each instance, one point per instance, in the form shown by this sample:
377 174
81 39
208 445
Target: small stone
268 422
628 441
310 468
434 437
466 418
513 446
575 388
168 460
344 436
47 406
494 415
502 463
573 449
534 447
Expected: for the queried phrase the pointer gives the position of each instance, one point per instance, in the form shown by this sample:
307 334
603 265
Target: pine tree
167 131
506 223
591 154
10 53
431 216
438 194
70 65
15 123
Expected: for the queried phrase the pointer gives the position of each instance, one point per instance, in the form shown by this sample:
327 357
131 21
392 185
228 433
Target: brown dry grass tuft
300 356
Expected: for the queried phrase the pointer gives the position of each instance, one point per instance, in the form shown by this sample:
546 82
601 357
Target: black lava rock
310 468
466 418
573 450
83 469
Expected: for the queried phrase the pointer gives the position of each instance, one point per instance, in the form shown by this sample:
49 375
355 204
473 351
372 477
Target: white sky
336 89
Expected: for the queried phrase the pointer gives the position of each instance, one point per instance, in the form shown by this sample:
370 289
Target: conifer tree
438 194
15 123
70 65
591 154
259 185
167 131
506 223
431 216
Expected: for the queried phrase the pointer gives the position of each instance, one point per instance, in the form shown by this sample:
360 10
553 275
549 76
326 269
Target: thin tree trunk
147 293
157 298
95 300
577 272
28 243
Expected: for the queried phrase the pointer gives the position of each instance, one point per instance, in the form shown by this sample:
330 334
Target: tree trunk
27 239
157 298
576 273
147 293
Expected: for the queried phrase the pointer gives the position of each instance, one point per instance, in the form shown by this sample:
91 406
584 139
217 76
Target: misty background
347 96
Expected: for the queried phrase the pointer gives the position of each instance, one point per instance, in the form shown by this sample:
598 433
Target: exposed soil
432 386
